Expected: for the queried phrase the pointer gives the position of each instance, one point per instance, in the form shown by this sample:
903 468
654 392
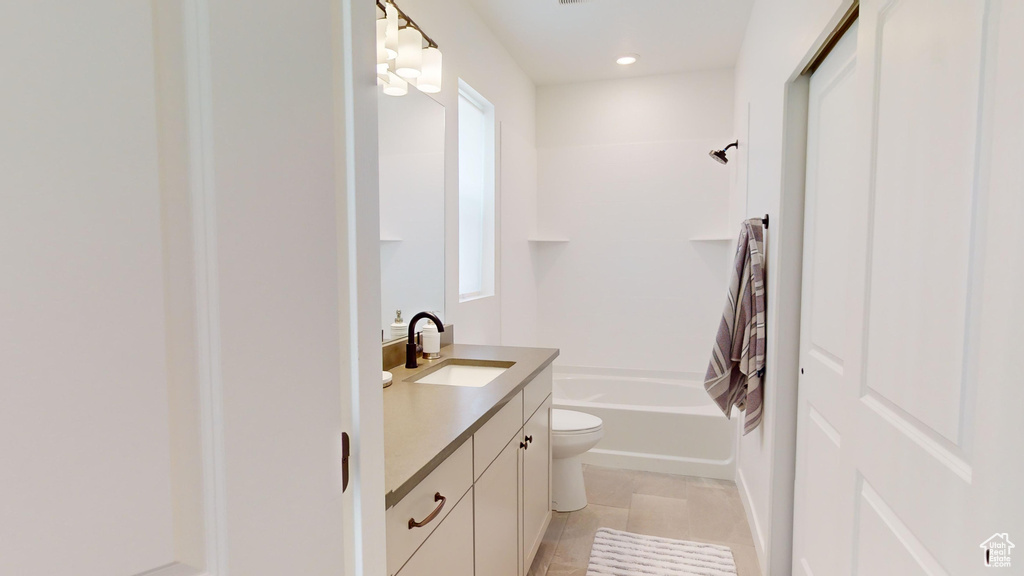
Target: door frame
357 223
786 239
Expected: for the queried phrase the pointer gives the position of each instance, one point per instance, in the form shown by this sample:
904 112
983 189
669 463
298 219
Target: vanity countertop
425 423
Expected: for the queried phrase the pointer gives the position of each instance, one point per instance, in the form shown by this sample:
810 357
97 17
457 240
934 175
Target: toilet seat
569 422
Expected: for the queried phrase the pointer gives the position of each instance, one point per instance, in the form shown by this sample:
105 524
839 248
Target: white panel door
824 478
909 432
172 392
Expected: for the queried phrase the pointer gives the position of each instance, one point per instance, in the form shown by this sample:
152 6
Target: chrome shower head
719 155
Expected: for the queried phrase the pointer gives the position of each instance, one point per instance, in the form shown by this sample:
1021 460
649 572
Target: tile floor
681 507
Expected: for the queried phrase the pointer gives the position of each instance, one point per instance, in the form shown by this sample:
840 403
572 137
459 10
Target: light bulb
430 76
410 53
627 59
382 53
396 86
391 33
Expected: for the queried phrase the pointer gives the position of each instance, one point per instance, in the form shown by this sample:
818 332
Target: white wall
83 373
201 171
473 53
624 175
780 39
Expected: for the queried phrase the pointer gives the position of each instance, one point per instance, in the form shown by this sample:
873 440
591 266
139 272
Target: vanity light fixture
410 53
430 76
382 51
627 59
391 33
395 85
405 54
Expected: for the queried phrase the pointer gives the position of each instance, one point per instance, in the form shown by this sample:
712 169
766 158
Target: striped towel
618 553
737 362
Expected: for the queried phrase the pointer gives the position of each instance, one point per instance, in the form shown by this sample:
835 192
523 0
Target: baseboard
720 469
174 569
760 538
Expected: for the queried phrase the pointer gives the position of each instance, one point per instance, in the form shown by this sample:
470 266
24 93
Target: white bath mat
618 553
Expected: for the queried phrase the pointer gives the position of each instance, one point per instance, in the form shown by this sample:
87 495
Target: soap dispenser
399 329
431 341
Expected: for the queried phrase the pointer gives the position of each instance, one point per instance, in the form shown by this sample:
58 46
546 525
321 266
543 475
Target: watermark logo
997 550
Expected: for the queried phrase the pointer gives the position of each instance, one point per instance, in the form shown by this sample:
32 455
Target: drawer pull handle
524 445
427 520
529 439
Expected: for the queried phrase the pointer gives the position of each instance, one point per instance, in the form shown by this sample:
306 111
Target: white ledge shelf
712 239
547 240
390 239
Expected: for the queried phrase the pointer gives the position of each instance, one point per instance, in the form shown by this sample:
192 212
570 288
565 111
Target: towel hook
764 221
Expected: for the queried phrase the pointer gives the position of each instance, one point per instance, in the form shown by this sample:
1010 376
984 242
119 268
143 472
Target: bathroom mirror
411 154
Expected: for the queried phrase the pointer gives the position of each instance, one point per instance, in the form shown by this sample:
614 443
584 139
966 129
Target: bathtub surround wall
473 53
624 176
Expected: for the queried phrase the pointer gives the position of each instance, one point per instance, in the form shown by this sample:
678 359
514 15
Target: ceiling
575 42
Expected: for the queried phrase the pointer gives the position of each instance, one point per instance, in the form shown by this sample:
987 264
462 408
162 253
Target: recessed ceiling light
627 60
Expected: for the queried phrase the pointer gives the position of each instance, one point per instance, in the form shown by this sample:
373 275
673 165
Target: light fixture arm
408 22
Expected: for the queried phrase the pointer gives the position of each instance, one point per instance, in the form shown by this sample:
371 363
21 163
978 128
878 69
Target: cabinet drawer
452 479
492 437
536 392
449 550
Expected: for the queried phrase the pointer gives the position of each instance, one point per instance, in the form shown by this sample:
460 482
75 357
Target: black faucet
410 347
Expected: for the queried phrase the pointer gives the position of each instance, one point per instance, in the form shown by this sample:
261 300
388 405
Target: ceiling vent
565 2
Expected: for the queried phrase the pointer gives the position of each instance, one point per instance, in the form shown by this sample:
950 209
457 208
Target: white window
476 195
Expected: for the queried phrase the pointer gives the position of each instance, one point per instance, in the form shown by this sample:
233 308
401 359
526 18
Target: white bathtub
652 421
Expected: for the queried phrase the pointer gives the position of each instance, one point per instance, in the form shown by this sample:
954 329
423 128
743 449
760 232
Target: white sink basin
462 375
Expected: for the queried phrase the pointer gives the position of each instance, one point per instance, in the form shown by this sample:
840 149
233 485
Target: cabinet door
536 480
449 550
497 514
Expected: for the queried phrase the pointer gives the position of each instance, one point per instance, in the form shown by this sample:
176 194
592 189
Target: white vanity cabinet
513 491
536 480
495 528
445 552
497 539
419 516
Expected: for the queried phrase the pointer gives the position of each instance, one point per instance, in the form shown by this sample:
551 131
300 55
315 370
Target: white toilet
572 434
